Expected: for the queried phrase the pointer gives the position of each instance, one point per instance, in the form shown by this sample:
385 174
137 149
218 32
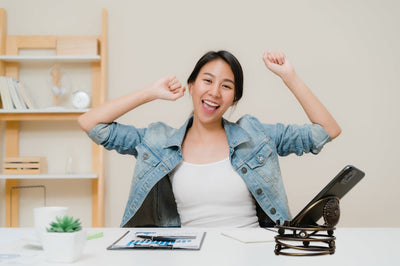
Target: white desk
354 246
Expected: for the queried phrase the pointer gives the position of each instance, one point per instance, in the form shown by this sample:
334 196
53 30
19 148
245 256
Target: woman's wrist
147 94
290 78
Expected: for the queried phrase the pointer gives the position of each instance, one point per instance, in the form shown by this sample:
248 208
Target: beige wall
346 51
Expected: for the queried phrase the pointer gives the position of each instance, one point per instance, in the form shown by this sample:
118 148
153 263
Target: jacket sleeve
114 136
297 139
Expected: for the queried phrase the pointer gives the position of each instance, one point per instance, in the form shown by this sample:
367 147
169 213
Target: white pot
63 247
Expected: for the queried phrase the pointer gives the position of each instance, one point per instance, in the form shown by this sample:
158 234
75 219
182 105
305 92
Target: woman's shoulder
249 121
246 123
160 133
254 121
248 118
252 124
160 128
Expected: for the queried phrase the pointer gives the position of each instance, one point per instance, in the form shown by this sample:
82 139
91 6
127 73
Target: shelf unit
9 66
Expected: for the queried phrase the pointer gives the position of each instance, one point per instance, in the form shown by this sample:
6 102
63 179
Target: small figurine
57 86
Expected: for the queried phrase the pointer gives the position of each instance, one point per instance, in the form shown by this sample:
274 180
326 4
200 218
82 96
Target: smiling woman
210 172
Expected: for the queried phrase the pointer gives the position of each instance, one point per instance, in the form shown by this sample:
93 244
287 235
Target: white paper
251 235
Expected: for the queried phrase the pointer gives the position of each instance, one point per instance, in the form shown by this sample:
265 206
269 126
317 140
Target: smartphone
342 183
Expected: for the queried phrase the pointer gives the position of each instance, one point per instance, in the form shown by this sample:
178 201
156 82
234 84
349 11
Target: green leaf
65 224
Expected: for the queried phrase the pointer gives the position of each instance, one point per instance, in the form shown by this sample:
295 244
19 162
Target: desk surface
354 246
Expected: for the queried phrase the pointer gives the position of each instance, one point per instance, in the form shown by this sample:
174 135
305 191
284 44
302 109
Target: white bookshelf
51 176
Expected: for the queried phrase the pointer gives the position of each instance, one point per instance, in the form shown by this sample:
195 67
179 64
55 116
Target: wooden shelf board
44 111
50 176
40 114
58 58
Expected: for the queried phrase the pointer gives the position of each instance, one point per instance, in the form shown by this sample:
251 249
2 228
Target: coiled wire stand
310 240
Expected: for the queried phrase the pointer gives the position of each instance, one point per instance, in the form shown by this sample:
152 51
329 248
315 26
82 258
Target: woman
210 172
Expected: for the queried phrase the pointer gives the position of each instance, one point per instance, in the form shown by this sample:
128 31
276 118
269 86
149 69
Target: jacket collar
235 133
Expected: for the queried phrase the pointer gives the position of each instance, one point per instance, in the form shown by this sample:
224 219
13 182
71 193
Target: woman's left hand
277 62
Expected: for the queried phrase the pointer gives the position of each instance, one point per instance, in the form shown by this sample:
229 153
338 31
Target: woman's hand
315 110
277 62
167 88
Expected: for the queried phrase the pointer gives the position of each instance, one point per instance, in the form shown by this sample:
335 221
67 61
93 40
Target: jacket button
272 211
244 170
145 156
259 191
260 159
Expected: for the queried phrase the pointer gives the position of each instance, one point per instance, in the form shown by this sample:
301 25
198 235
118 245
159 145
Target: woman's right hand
167 88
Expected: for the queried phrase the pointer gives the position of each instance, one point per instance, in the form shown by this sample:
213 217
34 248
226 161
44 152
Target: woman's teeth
211 104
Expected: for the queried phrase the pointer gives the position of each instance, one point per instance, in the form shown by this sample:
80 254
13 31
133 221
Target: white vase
63 247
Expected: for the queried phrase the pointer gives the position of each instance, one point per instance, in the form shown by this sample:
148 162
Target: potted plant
64 240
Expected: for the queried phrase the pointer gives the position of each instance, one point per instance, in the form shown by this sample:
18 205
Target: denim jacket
253 149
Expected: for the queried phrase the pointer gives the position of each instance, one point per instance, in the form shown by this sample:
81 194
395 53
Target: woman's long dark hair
231 60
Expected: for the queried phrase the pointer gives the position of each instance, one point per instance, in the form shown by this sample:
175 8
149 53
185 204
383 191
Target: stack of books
13 95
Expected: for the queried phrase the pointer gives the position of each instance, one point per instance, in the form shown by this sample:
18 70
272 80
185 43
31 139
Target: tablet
342 183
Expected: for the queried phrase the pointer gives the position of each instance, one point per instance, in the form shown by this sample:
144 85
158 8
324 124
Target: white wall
346 51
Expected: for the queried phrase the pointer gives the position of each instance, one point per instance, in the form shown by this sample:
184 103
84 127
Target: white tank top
212 195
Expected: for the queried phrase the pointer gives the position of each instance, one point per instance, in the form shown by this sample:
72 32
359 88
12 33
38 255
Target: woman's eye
207 80
227 86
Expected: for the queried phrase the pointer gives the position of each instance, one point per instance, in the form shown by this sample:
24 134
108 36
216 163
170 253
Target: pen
165 238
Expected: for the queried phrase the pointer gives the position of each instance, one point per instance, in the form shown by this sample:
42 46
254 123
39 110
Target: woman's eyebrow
226 80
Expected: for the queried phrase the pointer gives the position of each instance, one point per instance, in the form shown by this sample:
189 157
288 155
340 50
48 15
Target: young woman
210 172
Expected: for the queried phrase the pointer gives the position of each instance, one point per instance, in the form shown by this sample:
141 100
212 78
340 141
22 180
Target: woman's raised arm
167 88
315 110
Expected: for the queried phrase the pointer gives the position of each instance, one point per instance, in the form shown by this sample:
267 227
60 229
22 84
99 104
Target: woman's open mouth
209 106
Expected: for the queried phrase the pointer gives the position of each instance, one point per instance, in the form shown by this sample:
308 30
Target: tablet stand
313 239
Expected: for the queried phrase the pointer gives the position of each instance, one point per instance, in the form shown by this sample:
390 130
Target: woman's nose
214 90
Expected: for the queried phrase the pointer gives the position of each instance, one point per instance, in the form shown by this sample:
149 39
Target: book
5 94
21 99
2 97
14 95
24 95
159 239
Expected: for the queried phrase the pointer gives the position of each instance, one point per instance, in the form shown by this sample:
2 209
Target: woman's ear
190 85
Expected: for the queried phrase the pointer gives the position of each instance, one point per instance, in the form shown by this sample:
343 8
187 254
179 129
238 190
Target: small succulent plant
65 224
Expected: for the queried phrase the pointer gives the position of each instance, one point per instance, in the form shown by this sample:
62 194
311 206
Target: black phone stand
309 239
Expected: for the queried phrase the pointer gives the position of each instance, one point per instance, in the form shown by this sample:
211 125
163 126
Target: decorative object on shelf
321 243
80 99
64 240
24 165
58 83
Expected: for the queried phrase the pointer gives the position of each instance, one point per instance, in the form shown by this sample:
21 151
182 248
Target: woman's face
213 91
